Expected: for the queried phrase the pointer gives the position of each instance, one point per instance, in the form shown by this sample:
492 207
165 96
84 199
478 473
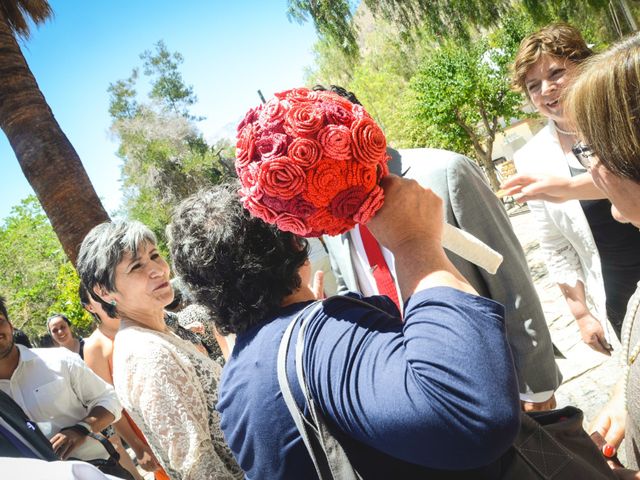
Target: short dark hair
238 266
101 251
21 338
58 315
83 295
343 92
3 308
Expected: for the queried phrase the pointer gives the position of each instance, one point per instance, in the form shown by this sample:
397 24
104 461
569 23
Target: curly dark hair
343 92
239 267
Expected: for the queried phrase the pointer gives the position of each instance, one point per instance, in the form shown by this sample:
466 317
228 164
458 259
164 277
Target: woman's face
142 282
60 331
546 80
623 193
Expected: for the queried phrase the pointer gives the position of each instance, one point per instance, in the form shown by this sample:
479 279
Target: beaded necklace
571 134
629 356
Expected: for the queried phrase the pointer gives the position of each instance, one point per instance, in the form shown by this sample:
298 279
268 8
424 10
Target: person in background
438 391
98 355
57 390
166 385
594 259
59 328
21 338
469 204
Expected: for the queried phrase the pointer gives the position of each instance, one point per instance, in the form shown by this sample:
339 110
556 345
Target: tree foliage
443 20
37 279
165 156
463 95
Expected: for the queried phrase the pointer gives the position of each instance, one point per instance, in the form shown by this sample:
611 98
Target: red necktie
379 268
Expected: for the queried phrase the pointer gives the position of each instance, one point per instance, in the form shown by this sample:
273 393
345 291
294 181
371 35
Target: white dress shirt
32 469
56 389
366 280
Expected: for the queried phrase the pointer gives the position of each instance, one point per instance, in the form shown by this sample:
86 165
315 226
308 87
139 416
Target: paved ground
588 376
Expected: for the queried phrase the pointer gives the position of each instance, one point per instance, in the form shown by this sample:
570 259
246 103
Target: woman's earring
112 303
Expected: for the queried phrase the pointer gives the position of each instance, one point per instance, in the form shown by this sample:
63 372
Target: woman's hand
146 458
593 334
612 419
524 188
196 327
410 214
317 286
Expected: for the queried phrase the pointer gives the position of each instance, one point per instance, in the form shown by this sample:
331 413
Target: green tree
47 158
165 156
443 20
463 97
37 279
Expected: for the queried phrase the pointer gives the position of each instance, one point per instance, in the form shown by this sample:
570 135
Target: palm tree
47 158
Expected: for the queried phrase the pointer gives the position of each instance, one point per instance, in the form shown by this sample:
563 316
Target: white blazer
565 236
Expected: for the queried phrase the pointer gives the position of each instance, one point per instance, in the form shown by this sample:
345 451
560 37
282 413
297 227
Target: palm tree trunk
47 158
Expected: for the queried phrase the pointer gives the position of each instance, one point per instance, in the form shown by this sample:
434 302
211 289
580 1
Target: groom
361 265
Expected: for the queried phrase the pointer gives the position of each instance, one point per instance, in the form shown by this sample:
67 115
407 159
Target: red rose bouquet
311 162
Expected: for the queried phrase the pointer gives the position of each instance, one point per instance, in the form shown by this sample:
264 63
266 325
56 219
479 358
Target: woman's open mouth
161 286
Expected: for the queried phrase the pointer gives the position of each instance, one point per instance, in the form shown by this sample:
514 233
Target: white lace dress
170 390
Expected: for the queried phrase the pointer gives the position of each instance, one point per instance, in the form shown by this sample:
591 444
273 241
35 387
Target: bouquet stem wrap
470 248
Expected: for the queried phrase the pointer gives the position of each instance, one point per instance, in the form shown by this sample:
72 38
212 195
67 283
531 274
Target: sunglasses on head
584 154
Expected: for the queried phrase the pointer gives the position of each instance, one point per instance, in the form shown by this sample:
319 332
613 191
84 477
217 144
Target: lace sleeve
167 400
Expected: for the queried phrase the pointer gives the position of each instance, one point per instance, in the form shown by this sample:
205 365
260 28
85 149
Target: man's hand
539 406
66 441
146 458
593 334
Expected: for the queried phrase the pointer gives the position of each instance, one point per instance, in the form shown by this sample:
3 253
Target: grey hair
101 252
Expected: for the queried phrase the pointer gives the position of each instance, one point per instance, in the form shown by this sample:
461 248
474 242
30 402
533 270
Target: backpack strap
328 456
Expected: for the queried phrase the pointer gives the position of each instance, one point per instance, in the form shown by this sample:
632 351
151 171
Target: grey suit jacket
470 204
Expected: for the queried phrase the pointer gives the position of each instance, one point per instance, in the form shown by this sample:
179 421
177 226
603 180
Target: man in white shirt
59 392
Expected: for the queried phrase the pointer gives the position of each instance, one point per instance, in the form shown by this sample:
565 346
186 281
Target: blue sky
231 49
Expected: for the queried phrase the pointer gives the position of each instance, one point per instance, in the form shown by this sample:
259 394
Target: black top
619 248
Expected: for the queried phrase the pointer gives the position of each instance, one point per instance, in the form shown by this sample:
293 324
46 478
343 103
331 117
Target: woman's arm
442 383
590 327
527 187
96 356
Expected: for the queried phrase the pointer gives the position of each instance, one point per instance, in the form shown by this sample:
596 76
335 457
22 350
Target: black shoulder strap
11 412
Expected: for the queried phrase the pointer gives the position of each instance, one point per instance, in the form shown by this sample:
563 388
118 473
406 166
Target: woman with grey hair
168 387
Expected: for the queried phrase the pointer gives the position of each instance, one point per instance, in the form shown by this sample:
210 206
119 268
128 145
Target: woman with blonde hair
605 107
594 259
